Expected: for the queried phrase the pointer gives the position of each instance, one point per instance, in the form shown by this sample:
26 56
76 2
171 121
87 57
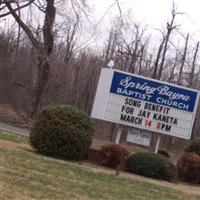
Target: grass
13 138
27 175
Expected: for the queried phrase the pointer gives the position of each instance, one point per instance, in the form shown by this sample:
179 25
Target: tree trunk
183 61
158 59
44 49
42 80
191 75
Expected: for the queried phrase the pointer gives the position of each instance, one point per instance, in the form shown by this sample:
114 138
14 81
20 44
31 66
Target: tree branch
16 9
24 87
27 30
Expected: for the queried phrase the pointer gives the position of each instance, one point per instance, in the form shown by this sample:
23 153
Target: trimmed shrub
62 131
94 156
189 167
152 165
113 155
194 147
164 153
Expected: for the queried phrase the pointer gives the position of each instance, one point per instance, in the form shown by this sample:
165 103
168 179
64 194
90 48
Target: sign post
118 136
144 103
157 144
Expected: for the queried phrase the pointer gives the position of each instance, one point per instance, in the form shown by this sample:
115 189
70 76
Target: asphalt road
15 130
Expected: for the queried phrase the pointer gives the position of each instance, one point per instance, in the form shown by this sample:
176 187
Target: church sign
145 103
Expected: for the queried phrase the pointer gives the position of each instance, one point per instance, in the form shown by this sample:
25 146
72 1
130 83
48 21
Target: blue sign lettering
153 91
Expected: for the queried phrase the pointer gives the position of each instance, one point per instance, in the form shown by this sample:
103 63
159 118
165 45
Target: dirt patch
9 114
7 192
14 146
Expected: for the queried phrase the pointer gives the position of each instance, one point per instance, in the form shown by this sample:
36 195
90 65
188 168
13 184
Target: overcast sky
155 13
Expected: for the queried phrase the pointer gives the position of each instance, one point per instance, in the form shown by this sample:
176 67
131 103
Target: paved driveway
15 130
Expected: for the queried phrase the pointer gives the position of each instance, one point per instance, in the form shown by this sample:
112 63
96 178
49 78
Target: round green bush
152 165
62 131
194 146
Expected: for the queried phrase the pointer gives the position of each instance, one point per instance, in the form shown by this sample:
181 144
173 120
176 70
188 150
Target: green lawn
25 175
13 138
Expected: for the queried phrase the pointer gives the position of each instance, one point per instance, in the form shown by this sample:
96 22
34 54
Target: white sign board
137 137
145 103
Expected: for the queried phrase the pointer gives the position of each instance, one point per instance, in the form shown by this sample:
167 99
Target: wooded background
49 60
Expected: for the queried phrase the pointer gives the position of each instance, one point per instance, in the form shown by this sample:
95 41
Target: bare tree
158 56
112 41
170 27
192 73
44 48
183 60
172 72
70 40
